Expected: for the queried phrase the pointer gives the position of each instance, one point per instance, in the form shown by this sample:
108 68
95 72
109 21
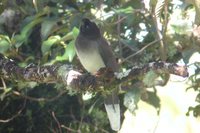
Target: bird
94 53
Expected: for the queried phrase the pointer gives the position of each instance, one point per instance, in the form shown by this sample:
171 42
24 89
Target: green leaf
127 10
191 55
19 40
92 107
75 32
69 52
131 98
5 93
22 85
46 45
46 28
25 32
28 27
4 43
68 36
4 46
149 79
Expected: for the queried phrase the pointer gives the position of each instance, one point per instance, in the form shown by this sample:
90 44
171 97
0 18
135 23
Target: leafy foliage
44 31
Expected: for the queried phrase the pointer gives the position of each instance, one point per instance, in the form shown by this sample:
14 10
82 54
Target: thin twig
156 21
127 58
129 46
82 116
118 34
39 99
120 20
58 123
4 84
165 23
14 116
69 129
90 124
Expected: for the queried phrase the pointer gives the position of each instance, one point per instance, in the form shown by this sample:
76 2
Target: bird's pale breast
91 59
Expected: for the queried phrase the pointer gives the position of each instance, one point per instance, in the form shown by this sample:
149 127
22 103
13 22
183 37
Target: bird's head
89 29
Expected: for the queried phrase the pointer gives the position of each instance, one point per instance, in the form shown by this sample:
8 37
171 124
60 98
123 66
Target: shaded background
43 32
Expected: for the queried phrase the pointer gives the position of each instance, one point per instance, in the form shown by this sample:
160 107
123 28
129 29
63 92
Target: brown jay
94 53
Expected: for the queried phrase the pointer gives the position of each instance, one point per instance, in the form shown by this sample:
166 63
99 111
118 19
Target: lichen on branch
64 73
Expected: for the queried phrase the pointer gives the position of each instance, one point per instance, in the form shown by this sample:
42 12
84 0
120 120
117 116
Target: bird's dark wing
111 101
107 55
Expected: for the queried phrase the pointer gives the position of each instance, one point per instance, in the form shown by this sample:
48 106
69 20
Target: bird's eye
87 26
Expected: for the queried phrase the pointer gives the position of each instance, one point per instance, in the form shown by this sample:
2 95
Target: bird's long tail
113 110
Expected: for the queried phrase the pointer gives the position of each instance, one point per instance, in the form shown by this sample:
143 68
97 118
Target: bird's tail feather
113 110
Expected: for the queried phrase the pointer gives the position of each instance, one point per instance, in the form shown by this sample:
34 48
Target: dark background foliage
43 32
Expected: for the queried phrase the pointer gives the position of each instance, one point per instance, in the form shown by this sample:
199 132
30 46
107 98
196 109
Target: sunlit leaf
4 46
68 36
149 78
4 43
131 99
5 92
46 45
69 52
127 10
75 32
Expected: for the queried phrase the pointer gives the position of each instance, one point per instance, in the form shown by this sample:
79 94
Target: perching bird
94 53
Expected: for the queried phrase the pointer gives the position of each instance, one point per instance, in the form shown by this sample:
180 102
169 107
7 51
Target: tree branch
82 82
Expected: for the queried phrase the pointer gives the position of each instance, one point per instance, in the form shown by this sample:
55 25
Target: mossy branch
81 82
